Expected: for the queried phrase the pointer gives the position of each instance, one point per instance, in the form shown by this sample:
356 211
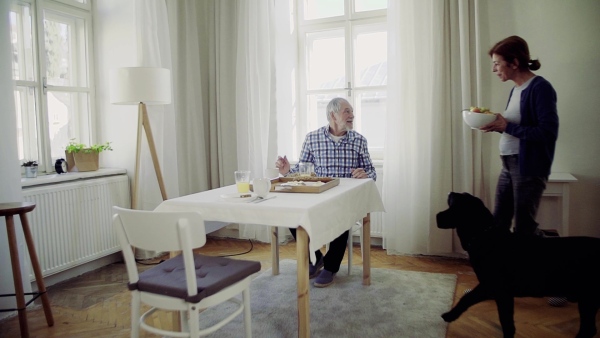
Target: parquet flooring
97 303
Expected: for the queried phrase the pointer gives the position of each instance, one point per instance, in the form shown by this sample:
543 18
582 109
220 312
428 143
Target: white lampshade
132 85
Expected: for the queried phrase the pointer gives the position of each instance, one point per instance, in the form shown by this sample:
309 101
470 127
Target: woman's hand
499 125
283 165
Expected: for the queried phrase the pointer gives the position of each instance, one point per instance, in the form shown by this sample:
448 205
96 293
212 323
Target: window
343 53
51 45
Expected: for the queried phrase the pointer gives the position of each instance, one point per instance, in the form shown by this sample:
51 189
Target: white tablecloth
324 216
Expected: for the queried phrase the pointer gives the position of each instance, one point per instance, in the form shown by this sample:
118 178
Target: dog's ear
452 196
456 200
465 212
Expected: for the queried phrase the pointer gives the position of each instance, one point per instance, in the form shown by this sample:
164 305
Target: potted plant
31 168
81 157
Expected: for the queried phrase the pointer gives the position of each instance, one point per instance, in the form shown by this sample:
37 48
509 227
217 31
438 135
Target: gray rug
396 304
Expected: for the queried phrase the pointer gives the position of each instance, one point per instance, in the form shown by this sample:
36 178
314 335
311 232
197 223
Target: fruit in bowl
477 117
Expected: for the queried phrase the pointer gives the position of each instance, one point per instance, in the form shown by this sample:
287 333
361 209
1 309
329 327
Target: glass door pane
65 50
319 9
370 56
65 120
369 115
27 140
326 60
370 5
21 26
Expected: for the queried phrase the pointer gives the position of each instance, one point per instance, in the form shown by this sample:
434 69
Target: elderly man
335 151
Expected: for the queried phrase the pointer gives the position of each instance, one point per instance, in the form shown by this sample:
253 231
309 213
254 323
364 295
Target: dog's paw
509 334
450 316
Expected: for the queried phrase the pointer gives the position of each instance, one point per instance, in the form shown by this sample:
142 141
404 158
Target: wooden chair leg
17 279
39 279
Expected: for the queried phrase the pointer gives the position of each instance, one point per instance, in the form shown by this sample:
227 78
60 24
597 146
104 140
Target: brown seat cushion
213 274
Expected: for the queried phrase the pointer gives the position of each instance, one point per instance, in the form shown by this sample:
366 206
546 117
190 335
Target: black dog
509 265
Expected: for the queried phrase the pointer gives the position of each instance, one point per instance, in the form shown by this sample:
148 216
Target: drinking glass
242 181
305 169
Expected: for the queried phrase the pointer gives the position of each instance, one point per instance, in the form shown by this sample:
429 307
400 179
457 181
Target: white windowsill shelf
72 176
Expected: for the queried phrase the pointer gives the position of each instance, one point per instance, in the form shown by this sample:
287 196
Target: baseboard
375 241
79 270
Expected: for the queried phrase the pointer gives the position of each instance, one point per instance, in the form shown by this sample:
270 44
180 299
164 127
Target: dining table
318 217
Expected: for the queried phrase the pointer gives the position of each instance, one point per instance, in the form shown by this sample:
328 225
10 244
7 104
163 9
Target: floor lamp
142 86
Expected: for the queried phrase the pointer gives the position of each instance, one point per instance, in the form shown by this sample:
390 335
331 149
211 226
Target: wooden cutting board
310 185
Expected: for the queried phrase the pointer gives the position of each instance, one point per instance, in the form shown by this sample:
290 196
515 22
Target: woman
529 128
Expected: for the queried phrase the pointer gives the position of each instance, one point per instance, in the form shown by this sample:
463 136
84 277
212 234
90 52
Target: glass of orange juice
242 181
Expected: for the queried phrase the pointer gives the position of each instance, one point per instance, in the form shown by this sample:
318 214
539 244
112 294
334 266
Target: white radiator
377 224
72 221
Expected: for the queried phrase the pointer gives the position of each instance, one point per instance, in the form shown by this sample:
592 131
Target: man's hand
359 173
283 165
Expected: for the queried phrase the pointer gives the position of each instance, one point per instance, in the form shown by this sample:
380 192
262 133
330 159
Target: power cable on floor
242 253
141 261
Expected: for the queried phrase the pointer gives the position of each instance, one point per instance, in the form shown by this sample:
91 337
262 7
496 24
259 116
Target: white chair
355 227
189 283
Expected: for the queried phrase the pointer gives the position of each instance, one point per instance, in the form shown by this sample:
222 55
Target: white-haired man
335 150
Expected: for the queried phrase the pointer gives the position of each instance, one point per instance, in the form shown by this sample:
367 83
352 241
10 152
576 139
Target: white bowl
477 120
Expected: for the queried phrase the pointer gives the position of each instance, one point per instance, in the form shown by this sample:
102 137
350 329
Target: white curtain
428 150
255 95
469 58
224 107
195 135
203 49
154 50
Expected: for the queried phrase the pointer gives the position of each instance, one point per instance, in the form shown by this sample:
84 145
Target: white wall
114 32
564 35
10 172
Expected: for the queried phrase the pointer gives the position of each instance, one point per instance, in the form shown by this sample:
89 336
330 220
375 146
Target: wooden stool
8 210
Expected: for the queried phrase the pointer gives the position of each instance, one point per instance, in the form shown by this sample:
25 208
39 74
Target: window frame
86 131
350 22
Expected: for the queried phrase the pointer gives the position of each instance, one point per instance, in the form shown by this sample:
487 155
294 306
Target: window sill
72 176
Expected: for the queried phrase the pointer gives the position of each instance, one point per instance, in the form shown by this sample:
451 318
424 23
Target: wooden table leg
303 295
16 271
39 279
366 229
275 250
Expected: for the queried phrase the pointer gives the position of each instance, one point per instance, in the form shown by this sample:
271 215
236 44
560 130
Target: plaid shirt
336 159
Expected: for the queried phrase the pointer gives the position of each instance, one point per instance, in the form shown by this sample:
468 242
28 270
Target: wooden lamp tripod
142 86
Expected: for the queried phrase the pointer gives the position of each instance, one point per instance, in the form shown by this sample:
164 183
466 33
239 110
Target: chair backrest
159 231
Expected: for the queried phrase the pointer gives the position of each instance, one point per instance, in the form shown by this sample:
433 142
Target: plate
235 197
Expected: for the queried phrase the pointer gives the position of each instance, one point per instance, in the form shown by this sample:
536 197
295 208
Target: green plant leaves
74 147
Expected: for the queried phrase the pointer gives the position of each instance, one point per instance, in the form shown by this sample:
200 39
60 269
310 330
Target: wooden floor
96 304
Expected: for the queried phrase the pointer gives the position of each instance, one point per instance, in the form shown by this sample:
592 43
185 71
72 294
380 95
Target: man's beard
345 126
